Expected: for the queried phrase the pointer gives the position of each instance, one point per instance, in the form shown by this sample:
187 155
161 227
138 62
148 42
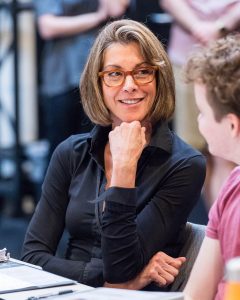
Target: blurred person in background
197 22
215 71
68 28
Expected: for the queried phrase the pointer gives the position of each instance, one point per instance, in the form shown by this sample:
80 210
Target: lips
131 101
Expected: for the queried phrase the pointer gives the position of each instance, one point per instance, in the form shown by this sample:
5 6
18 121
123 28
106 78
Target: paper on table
120 294
23 295
22 277
7 282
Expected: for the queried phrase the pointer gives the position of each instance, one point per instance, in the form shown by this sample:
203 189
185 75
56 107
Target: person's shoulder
235 174
226 206
184 149
187 156
74 143
232 182
71 152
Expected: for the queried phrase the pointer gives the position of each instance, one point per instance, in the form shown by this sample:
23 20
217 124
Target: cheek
152 92
108 95
104 91
203 126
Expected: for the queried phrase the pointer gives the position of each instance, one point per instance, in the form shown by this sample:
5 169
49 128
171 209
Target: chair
194 235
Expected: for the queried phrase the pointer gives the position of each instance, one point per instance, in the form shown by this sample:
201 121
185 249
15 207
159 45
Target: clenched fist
126 143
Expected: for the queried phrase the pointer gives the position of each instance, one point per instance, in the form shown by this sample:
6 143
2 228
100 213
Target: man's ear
234 122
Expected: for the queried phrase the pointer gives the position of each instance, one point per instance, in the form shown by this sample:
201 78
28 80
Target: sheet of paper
7 283
22 276
41 292
120 294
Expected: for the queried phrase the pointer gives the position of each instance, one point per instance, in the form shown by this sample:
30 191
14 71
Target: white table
39 292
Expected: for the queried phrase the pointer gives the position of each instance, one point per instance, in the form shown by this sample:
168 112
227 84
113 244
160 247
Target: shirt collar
97 140
161 137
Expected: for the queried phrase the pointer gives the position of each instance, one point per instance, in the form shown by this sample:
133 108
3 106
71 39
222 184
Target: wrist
101 16
194 30
123 176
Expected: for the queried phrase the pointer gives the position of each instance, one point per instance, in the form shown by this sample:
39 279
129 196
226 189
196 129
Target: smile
131 101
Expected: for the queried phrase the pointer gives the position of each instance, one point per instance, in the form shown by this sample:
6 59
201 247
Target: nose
129 84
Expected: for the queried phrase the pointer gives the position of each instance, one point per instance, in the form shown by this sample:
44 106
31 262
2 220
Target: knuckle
152 273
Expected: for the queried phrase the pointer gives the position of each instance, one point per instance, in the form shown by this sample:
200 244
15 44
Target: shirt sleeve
224 217
130 237
48 223
64 7
213 223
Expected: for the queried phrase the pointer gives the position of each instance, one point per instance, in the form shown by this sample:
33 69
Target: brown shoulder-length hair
218 68
125 32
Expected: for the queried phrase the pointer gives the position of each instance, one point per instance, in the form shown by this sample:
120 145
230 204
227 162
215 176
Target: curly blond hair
218 68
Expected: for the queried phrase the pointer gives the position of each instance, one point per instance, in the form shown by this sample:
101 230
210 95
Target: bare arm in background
51 26
203 31
206 273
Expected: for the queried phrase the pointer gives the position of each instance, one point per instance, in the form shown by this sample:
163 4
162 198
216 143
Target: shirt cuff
124 196
93 273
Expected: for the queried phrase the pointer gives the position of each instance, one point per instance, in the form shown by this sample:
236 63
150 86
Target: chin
129 120
215 153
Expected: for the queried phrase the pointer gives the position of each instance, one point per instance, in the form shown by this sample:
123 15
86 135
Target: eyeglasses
116 77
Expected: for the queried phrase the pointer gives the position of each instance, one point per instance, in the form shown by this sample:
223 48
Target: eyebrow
119 67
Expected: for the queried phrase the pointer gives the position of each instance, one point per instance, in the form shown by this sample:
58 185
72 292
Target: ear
234 123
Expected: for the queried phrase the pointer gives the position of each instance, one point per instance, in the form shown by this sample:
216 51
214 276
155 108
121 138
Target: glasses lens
140 76
144 75
113 78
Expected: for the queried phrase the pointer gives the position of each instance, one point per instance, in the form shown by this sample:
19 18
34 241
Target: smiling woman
124 191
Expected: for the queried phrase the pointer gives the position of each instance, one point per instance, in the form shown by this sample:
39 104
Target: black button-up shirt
113 244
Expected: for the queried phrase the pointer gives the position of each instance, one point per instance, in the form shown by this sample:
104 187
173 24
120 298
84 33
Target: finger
175 262
163 257
161 281
157 278
182 259
170 269
143 135
169 278
135 124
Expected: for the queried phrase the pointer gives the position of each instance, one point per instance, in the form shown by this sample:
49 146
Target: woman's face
129 101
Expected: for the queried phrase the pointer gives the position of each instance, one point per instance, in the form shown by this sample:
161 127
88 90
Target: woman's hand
206 31
162 269
126 142
115 8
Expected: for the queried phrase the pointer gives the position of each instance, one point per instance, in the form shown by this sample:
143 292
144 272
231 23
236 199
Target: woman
125 190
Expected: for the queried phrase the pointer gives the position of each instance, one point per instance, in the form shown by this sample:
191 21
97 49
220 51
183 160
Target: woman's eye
142 72
115 74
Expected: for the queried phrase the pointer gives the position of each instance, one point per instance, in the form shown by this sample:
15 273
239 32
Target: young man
215 71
